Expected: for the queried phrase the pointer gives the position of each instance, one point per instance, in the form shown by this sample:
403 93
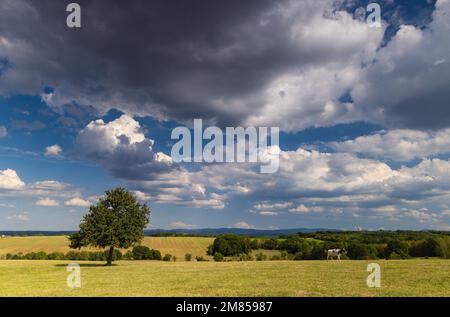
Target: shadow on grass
85 264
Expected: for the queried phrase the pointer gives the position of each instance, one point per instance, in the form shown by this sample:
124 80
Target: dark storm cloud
189 59
170 54
426 108
173 59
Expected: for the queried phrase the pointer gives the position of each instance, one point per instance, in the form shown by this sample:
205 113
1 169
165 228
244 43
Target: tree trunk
110 256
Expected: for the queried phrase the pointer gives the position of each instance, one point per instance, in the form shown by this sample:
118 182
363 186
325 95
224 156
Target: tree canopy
116 221
230 245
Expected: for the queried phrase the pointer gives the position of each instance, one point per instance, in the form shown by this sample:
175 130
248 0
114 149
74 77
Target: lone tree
116 221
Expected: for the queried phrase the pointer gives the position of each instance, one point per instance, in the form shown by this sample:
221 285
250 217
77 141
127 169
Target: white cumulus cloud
47 202
53 150
10 180
302 209
121 147
243 225
77 202
181 225
398 145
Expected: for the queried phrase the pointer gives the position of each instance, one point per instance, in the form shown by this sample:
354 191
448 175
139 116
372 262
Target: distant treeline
67 233
252 233
35 233
175 234
380 236
365 245
139 252
359 245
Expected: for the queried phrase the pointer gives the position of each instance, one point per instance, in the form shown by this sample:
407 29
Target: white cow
332 253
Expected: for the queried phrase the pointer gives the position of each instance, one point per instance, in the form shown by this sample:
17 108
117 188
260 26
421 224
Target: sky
363 111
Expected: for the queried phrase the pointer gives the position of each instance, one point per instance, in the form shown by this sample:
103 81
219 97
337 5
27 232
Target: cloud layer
398 145
308 181
284 63
292 64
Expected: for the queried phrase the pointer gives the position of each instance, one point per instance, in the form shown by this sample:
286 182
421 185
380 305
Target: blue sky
362 112
23 149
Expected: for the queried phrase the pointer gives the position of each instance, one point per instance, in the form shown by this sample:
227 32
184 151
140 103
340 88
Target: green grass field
269 278
418 277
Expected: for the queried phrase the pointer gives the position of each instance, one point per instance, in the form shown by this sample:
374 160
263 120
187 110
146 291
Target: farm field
416 277
425 277
177 246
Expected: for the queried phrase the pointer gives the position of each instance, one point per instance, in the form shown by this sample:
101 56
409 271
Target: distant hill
244 232
35 233
191 232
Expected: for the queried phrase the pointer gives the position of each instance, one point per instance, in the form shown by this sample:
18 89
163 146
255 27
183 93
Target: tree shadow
85 264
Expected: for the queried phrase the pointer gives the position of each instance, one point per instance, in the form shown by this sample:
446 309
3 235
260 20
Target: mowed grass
418 277
426 277
177 246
